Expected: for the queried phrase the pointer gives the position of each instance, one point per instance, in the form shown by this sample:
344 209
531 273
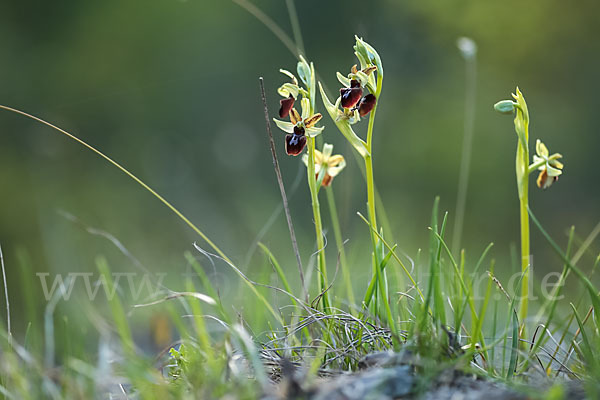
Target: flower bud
505 106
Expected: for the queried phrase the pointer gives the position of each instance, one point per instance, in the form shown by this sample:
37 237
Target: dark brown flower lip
294 143
350 96
285 106
366 104
542 180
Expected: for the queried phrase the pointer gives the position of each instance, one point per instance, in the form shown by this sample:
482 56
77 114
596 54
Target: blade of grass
337 232
251 284
436 272
586 243
484 305
468 295
493 335
116 308
206 284
31 301
295 22
8 327
394 255
587 283
514 349
568 324
270 24
200 325
552 301
278 269
588 352
481 258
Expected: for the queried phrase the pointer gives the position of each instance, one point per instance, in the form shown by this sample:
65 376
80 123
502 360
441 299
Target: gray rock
373 384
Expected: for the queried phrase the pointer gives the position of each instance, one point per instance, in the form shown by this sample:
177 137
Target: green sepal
304 71
288 88
367 52
343 79
285 126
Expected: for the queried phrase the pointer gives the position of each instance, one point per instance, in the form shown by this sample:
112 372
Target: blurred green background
170 90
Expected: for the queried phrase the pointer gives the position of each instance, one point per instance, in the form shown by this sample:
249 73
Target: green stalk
522 169
522 164
312 184
379 273
335 222
369 160
371 197
371 189
525 251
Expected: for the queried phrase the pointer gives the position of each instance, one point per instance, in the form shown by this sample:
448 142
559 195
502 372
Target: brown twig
282 188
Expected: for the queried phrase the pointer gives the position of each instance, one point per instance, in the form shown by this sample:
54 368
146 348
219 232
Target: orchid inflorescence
300 125
351 94
549 167
350 106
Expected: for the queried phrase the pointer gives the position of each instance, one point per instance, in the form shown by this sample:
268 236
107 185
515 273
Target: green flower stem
523 154
335 222
369 160
379 273
371 200
525 251
314 194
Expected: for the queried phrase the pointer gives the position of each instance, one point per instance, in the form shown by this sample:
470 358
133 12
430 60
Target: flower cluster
352 104
351 95
301 124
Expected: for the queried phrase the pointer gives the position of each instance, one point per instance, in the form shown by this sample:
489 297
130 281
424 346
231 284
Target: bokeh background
170 89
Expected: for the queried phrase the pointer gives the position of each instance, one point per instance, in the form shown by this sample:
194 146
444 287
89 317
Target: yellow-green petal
284 125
